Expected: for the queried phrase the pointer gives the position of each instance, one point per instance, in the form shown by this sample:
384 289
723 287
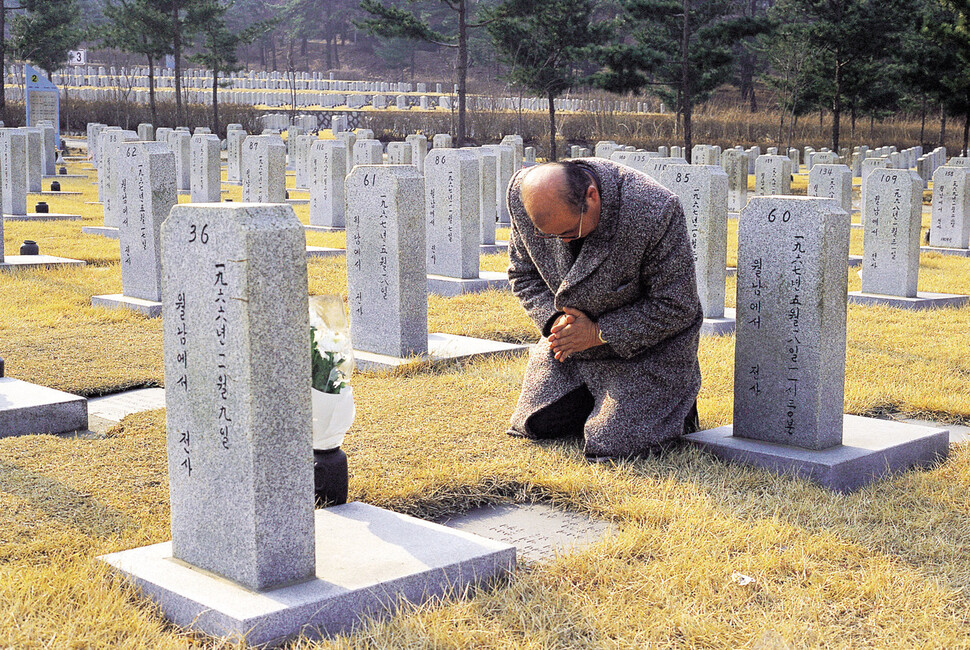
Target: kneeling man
601 261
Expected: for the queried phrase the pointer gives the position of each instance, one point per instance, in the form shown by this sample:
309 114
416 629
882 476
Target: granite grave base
148 308
320 251
42 216
59 193
18 262
27 408
441 348
324 228
538 531
298 201
719 326
444 286
104 231
855 260
871 450
368 560
492 249
923 300
956 252
56 176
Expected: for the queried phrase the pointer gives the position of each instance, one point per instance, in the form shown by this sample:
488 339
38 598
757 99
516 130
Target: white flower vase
333 414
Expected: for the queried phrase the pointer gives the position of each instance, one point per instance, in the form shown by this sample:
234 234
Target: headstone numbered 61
789 368
387 280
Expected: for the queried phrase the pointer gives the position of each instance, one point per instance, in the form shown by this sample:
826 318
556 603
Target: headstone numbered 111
950 223
789 369
892 216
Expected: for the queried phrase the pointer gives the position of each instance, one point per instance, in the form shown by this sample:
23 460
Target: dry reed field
886 567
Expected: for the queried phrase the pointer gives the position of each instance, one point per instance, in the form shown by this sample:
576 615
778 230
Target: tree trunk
872 124
151 90
336 53
686 99
837 106
215 100
3 62
966 132
177 52
262 53
305 51
922 120
942 126
462 67
552 128
852 116
272 51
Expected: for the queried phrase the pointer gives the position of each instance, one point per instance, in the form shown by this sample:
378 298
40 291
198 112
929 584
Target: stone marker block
327 171
789 369
181 144
892 215
452 187
386 264
735 164
368 152
772 175
831 182
950 224
237 380
206 170
234 153
35 158
419 149
13 162
264 169
370 561
702 190
27 408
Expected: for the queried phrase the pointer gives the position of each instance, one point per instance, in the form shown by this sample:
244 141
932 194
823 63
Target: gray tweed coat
635 277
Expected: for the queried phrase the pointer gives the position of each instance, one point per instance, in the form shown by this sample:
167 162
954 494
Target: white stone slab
871 450
320 251
537 530
117 406
445 286
149 308
103 231
719 326
17 262
956 252
42 216
368 562
922 300
441 348
27 408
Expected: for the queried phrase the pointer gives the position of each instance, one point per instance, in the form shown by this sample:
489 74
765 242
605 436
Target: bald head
544 189
556 196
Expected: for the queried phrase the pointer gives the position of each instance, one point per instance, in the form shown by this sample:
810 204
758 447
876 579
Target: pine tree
544 44
47 31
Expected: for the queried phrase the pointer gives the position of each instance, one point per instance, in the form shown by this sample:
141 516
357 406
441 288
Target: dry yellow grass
886 567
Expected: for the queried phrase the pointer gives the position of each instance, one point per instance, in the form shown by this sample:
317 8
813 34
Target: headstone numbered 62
789 368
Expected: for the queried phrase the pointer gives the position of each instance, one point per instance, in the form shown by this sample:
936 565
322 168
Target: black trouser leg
564 417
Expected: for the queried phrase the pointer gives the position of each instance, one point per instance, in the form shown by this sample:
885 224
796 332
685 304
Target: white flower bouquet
332 363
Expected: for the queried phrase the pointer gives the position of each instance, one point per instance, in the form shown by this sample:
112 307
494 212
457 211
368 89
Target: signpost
43 100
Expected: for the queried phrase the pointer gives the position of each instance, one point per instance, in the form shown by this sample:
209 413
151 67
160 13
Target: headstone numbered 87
789 369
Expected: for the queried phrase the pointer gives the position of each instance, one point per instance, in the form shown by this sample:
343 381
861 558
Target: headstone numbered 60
789 368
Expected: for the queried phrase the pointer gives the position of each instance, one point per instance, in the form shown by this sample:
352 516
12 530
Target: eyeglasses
579 231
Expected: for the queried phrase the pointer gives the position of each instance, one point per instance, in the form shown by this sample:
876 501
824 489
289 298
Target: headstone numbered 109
789 369
245 536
